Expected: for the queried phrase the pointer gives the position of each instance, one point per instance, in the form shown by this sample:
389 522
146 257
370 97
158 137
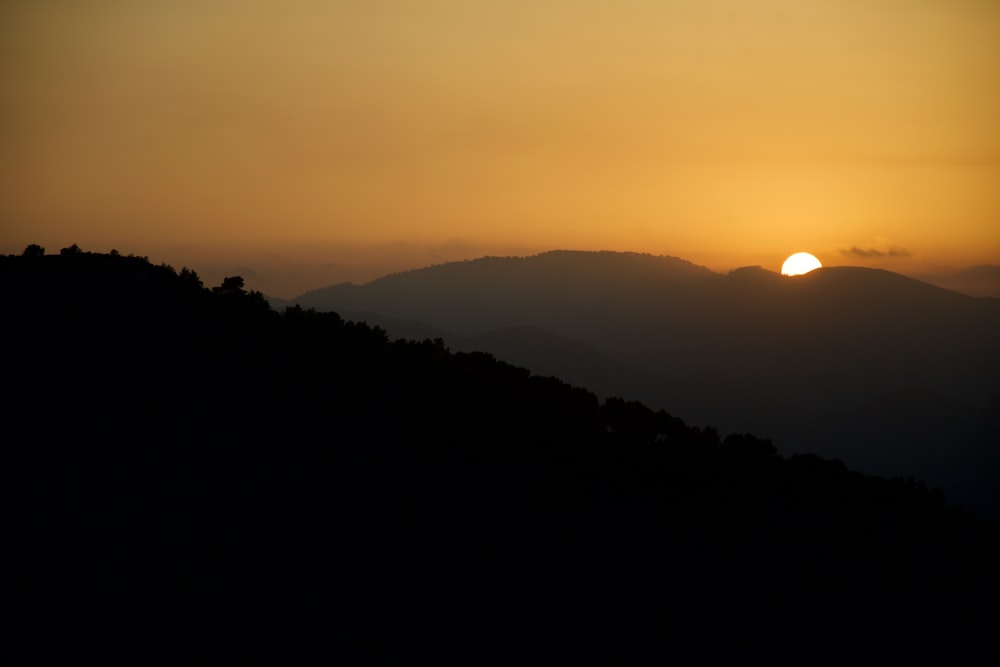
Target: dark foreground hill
191 460
891 375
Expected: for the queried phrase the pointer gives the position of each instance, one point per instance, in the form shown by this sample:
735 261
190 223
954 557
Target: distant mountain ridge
178 452
750 350
982 280
482 287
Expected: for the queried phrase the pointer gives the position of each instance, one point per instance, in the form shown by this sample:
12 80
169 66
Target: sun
799 263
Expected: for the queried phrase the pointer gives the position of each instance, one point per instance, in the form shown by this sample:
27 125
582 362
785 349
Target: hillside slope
811 362
190 451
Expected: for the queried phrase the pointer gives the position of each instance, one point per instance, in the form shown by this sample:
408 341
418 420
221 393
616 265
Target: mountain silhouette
808 360
981 280
189 454
546 353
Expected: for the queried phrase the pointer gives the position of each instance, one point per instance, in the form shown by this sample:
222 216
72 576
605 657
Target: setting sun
800 263
324 142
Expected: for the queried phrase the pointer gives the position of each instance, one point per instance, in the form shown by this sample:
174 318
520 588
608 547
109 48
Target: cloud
891 251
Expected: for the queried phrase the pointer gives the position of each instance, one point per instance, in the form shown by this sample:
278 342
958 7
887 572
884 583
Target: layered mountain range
890 374
191 459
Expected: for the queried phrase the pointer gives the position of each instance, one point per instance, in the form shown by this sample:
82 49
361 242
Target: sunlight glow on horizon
799 264
715 132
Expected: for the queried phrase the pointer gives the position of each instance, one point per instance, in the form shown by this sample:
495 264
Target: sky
305 142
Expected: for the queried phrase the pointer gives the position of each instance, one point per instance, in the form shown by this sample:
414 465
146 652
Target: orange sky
304 142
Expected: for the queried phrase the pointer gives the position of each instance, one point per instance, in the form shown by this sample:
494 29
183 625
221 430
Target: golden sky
304 142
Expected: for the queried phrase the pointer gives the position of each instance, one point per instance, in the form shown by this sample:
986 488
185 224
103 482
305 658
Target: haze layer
350 139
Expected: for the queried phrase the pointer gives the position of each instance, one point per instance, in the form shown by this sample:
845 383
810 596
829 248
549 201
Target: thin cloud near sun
867 253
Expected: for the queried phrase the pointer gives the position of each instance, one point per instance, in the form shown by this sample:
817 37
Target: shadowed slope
751 350
191 455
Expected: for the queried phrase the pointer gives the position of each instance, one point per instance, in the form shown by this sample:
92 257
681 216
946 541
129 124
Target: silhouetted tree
33 250
190 277
72 250
229 284
749 446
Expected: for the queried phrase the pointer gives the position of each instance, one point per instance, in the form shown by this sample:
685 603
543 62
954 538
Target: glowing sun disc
799 263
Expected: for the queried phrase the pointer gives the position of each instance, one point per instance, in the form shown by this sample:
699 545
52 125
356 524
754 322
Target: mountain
546 353
190 458
474 296
810 361
982 280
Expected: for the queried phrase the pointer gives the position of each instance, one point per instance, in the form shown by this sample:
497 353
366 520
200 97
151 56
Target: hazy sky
303 142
